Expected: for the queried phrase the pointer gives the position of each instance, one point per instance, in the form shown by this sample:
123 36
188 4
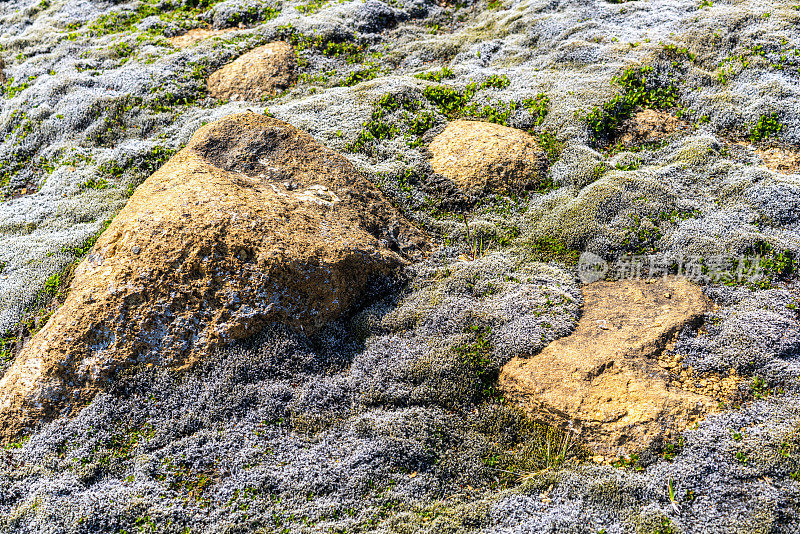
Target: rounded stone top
481 156
263 71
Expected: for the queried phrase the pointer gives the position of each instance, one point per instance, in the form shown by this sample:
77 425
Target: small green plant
311 7
436 75
664 526
93 183
671 449
345 48
677 52
52 284
18 444
476 355
759 388
449 100
630 166
537 107
377 128
628 462
421 123
10 90
123 50
770 265
640 89
361 75
496 81
766 126
598 171
551 145
671 494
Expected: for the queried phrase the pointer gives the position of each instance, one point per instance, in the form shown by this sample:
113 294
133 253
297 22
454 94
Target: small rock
192 37
262 72
649 126
480 156
782 159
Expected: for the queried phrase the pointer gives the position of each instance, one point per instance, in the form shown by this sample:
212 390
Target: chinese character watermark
717 269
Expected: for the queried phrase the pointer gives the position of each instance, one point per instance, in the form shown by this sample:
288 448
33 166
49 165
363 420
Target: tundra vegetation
389 420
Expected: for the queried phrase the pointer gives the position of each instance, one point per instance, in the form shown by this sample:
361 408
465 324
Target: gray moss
388 421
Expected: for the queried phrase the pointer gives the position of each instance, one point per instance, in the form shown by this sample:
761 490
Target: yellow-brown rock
781 159
649 126
197 35
481 156
252 223
262 72
605 379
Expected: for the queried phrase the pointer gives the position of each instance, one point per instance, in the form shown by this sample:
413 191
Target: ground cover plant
390 420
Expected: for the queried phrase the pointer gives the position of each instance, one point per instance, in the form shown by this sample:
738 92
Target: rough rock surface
192 37
261 72
605 377
781 159
648 126
481 156
252 223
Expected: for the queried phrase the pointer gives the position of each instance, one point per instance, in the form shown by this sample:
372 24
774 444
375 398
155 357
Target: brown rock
252 223
192 37
781 159
480 156
2 69
261 72
649 126
604 378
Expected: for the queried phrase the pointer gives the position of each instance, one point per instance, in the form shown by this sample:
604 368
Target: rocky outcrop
481 156
262 72
252 223
605 379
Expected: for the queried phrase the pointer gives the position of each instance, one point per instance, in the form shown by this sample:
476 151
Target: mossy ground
398 427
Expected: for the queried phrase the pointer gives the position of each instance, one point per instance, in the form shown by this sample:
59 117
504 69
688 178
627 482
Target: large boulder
612 379
262 72
254 222
486 157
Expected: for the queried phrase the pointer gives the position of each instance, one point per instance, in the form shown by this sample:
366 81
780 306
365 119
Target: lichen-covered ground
389 420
